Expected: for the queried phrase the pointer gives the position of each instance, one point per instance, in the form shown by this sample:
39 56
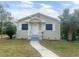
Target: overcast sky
20 9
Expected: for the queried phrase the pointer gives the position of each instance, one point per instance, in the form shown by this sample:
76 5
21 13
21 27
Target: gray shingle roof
25 18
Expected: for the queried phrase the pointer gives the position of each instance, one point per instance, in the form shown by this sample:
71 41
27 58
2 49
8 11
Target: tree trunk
1 29
70 35
10 36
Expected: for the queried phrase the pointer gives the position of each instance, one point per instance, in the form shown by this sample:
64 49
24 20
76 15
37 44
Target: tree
2 18
10 29
76 23
69 23
5 16
64 23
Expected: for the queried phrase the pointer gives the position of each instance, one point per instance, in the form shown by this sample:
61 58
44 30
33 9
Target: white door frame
35 28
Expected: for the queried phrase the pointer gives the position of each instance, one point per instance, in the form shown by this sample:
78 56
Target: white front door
35 29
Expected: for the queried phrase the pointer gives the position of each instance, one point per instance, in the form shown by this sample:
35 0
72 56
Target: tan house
38 26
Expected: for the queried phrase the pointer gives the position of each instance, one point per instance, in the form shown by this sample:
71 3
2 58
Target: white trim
35 29
54 26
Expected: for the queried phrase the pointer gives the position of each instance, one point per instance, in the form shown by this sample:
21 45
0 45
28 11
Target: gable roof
25 18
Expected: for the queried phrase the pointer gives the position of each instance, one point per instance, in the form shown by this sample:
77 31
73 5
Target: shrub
10 30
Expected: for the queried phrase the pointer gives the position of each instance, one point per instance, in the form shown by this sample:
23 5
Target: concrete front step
35 37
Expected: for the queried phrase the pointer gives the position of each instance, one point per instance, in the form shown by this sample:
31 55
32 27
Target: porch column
43 26
29 29
43 29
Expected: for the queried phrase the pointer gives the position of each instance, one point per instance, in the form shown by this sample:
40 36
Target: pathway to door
42 50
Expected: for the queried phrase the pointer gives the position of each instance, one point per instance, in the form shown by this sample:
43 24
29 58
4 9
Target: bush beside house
10 30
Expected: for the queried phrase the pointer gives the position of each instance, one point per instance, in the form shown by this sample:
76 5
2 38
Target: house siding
52 34
22 34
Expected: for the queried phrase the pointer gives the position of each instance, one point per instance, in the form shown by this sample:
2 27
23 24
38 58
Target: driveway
42 50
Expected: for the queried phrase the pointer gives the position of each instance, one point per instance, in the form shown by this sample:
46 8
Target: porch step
35 37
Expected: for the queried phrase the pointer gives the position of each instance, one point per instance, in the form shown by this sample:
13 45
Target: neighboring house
38 25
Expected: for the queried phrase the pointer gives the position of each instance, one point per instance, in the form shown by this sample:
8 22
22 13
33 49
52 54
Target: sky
20 9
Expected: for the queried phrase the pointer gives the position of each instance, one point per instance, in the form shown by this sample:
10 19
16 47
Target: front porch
35 29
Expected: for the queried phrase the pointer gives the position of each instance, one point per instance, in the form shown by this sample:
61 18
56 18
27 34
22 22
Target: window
48 26
24 26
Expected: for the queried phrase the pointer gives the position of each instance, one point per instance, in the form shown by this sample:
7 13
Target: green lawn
17 48
62 48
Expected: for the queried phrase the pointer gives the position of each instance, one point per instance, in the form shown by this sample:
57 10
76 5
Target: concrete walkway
42 50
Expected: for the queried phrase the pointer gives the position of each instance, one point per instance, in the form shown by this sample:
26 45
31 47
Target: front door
35 29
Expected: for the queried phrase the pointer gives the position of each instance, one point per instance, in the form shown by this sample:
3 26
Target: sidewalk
42 50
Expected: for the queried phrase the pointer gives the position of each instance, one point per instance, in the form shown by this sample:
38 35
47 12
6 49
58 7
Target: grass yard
17 48
63 48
